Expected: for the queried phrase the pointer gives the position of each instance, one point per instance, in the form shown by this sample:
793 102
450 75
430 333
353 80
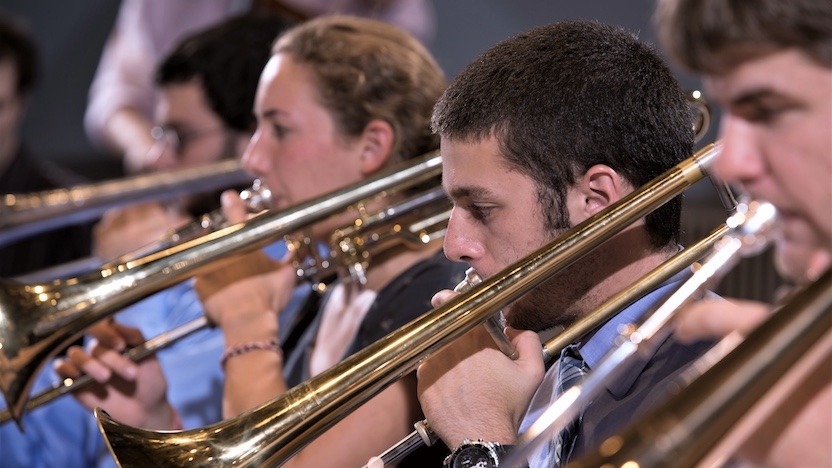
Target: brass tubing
36 320
687 428
30 213
273 432
136 354
393 226
553 346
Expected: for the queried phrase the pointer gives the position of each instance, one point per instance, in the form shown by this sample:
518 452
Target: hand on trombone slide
241 289
716 319
135 392
128 229
455 374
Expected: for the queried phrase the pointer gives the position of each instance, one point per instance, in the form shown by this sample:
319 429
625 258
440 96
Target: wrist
493 431
477 453
247 327
272 346
164 417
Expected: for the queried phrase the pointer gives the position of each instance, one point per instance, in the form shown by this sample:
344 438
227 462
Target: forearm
163 417
253 366
127 131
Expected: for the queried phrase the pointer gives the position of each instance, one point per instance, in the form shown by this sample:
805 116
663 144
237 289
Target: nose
461 244
740 160
256 158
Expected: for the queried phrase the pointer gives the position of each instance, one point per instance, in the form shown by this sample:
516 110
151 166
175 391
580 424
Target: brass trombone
271 433
36 320
751 229
26 214
706 421
257 198
411 223
423 435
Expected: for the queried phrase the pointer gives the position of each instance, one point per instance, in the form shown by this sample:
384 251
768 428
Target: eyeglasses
179 140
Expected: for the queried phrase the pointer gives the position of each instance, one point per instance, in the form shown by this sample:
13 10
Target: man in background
20 170
768 65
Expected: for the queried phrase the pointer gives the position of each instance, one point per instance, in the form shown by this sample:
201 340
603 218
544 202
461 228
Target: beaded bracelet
242 348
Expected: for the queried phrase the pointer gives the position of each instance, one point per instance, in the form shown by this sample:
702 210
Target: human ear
600 187
376 144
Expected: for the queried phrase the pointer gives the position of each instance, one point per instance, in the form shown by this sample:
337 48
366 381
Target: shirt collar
604 339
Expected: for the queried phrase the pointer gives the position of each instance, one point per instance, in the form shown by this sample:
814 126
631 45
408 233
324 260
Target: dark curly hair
18 45
227 59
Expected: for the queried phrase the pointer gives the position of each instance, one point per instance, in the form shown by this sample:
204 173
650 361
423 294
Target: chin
791 258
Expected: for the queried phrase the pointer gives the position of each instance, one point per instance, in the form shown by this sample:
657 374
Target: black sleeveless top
399 302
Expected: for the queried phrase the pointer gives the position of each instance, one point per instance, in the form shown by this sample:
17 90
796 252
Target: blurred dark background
71 35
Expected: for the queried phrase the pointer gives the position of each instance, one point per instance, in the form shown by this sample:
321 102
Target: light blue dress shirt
64 434
592 351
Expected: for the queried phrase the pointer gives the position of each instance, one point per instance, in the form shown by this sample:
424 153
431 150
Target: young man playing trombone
768 64
538 134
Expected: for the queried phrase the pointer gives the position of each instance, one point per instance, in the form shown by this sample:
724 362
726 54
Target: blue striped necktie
572 371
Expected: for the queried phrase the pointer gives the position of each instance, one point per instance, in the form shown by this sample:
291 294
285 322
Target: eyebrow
270 113
758 94
469 192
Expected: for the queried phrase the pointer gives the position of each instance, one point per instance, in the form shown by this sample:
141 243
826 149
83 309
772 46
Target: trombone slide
751 229
698 424
273 432
26 214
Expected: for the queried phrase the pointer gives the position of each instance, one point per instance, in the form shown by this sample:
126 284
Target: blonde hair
365 70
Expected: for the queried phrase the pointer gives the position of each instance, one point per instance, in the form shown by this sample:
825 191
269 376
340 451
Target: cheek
202 154
8 119
290 179
303 179
511 244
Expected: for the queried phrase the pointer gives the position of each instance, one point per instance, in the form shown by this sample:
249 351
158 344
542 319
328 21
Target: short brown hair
713 36
564 97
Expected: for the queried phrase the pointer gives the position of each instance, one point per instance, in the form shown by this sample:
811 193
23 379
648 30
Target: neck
623 261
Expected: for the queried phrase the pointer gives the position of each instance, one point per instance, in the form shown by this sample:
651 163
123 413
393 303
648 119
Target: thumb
529 348
234 208
442 297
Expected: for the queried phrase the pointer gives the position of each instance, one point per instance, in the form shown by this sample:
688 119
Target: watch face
473 457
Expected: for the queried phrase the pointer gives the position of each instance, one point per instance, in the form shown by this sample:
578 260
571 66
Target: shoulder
408 296
609 412
429 275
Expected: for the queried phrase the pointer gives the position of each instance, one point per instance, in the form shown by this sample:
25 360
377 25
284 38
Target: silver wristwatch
476 454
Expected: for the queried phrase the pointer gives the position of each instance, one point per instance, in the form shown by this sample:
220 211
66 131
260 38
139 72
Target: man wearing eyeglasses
204 114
